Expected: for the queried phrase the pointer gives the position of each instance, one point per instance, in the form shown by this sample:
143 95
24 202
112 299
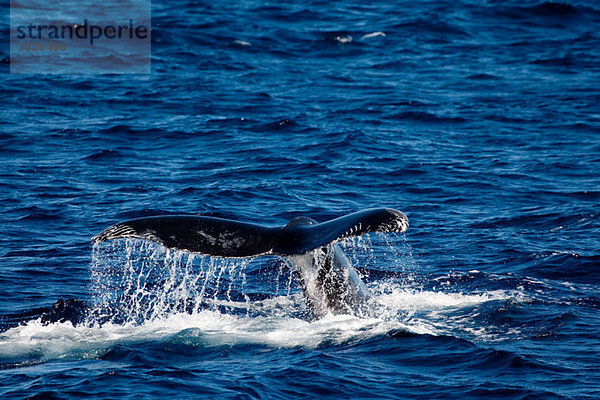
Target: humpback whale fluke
228 238
329 282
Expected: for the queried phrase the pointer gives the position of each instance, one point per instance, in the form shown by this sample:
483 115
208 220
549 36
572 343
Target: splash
140 291
134 281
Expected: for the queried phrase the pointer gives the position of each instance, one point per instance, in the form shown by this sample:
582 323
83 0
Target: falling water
134 281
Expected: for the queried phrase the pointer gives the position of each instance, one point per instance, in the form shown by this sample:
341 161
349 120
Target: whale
71 310
329 282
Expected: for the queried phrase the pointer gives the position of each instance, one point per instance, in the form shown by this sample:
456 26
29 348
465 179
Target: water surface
478 120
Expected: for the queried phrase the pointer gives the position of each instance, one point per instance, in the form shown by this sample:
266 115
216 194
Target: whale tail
227 238
329 282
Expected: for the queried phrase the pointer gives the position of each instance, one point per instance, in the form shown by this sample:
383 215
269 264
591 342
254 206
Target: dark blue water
479 120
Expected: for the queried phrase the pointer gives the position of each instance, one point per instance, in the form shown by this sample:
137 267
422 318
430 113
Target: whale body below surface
329 282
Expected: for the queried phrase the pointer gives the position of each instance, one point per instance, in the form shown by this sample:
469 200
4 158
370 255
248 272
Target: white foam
427 300
212 321
37 342
273 327
344 39
373 34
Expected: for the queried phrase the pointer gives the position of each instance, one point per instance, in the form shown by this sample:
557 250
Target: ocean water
479 120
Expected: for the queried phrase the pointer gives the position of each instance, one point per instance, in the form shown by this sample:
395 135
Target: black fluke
227 238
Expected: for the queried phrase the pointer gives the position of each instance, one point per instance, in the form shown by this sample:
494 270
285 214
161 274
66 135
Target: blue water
479 120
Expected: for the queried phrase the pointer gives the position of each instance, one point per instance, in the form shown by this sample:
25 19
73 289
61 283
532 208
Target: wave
141 292
420 116
545 221
104 155
36 342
